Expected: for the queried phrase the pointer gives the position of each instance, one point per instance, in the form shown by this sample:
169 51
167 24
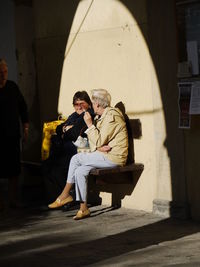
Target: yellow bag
49 128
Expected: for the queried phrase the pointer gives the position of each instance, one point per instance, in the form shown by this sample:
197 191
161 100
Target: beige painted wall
109 51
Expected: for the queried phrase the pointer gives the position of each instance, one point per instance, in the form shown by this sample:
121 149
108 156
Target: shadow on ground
52 238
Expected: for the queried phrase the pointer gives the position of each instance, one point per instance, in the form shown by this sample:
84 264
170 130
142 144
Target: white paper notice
195 99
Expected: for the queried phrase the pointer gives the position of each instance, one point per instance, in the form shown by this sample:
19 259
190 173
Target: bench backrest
134 129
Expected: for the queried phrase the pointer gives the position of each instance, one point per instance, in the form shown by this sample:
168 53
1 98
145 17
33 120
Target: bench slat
128 168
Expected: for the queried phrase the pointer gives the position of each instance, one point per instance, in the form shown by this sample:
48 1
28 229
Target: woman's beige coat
110 130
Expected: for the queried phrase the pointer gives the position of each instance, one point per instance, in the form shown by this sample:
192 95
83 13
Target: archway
110 46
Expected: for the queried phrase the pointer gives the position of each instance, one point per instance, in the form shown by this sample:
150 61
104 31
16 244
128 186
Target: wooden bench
128 168
115 174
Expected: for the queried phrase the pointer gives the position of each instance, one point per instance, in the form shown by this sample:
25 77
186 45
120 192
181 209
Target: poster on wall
184 104
195 99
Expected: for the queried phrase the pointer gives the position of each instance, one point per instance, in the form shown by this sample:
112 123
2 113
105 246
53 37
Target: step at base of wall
173 209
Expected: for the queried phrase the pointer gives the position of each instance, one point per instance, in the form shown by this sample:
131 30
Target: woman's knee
74 160
81 172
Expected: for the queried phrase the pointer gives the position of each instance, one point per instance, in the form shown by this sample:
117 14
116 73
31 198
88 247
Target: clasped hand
105 148
66 128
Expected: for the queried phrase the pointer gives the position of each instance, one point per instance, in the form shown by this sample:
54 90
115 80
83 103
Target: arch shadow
158 35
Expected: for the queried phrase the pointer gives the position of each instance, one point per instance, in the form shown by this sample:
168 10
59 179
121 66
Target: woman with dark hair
62 145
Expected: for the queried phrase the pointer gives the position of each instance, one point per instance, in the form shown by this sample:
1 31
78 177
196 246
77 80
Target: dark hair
82 95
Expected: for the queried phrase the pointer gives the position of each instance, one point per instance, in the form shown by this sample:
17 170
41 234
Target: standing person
108 141
12 109
62 145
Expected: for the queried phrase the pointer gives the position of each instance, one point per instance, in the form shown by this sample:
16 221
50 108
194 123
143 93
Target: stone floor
35 237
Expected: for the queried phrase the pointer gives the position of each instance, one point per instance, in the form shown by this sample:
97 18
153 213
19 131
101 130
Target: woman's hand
88 119
105 148
66 128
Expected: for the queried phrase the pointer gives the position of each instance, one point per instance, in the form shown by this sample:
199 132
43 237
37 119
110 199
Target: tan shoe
82 214
59 203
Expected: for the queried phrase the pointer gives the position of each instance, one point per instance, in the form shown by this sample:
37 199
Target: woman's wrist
89 125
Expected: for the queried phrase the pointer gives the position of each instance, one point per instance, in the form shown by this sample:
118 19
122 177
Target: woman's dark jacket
60 141
13 108
79 126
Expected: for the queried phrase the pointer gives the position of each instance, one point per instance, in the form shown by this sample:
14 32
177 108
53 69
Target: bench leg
116 201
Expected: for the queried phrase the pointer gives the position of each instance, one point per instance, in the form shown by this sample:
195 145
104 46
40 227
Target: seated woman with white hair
108 140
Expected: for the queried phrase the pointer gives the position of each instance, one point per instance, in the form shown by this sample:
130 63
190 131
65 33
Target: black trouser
55 170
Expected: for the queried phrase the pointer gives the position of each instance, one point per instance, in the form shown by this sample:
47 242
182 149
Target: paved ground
120 237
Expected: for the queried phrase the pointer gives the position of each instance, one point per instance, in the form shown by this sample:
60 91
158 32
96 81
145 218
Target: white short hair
102 97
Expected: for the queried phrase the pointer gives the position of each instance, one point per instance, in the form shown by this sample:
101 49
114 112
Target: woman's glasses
80 104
